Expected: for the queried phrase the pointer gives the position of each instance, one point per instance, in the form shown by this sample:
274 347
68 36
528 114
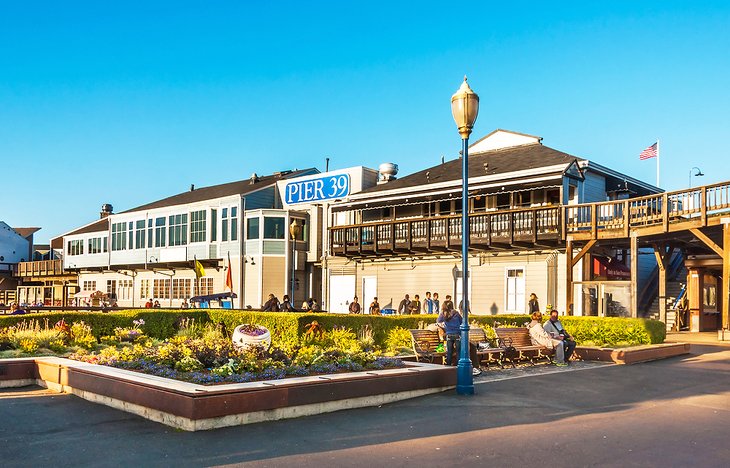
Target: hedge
286 326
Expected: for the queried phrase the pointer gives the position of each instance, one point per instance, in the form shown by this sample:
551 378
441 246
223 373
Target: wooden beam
634 276
707 241
583 251
662 259
569 276
725 290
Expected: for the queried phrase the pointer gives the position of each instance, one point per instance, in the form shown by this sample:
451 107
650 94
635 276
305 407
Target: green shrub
614 331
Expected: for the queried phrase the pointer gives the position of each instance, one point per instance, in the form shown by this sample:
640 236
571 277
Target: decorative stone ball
251 335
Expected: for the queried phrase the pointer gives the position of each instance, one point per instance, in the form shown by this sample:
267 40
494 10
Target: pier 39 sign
314 190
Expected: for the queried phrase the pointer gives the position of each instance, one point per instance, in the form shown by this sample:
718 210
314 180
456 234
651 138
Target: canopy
214 297
89 295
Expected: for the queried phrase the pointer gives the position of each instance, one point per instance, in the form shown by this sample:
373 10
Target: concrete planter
243 339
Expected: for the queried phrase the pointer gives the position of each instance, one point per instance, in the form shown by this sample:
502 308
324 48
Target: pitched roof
241 187
501 161
26 231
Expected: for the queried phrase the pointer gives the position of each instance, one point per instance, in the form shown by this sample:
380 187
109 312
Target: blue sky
128 103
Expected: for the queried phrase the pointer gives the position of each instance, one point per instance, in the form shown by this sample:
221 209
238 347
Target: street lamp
294 230
464 108
698 174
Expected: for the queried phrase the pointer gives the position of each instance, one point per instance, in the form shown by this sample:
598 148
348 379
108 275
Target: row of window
175 288
94 245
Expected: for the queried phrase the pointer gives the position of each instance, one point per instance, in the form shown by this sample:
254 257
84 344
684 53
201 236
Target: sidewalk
695 337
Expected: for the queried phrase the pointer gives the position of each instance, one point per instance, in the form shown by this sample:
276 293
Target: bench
424 345
487 356
519 338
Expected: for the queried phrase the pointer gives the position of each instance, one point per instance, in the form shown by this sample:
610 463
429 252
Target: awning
89 295
214 297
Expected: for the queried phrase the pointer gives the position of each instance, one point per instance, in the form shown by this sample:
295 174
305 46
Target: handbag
509 351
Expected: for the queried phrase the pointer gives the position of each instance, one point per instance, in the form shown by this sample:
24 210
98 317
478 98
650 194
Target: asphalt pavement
674 412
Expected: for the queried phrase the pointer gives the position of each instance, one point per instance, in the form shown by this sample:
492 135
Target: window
119 238
124 289
150 231
274 228
111 289
213 225
252 229
75 247
131 235
204 286
178 230
160 232
234 223
503 201
161 289
95 245
515 290
144 289
181 288
106 244
224 224
89 285
139 234
197 226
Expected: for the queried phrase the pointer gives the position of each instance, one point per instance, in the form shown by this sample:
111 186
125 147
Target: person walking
532 305
436 303
450 320
415 307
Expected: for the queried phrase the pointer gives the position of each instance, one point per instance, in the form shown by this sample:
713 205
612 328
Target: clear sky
130 102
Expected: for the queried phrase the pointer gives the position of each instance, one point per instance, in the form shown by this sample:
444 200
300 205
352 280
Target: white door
369 291
515 290
342 290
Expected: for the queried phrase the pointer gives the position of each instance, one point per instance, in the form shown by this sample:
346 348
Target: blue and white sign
314 190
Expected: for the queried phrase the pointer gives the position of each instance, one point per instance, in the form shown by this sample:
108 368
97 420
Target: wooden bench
424 345
519 338
495 354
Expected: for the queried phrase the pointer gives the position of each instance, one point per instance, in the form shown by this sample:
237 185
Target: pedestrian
540 337
415 306
404 305
184 304
450 320
148 304
461 306
271 305
374 308
556 330
532 304
306 307
156 305
428 305
286 305
354 307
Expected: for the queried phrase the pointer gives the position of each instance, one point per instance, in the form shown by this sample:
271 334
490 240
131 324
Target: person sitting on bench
555 330
540 337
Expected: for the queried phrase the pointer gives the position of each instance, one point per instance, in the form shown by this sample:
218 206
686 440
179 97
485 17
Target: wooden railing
39 268
547 226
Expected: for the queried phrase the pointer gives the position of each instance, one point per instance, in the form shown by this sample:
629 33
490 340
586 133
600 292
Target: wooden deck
540 227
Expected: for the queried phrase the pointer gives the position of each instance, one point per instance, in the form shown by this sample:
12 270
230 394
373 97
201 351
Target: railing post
563 221
594 222
428 234
665 212
392 236
489 229
410 236
511 227
375 238
627 218
534 226
703 204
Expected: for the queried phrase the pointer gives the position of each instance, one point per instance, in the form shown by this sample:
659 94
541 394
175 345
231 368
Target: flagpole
657 162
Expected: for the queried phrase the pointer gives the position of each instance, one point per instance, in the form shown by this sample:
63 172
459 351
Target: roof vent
387 172
254 178
106 210
192 187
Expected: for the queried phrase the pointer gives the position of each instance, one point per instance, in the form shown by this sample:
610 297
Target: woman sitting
540 337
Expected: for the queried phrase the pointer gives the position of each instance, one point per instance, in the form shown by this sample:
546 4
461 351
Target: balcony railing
39 269
530 227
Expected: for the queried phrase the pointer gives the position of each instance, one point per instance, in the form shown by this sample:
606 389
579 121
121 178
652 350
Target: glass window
76 247
131 235
197 226
234 223
178 230
119 236
149 233
252 230
160 232
106 244
274 228
224 224
95 245
213 225
139 234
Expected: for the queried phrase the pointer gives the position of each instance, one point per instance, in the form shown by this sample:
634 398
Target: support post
569 276
662 259
634 275
464 377
726 273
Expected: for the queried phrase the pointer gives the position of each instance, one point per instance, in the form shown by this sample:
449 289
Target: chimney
254 178
106 210
192 187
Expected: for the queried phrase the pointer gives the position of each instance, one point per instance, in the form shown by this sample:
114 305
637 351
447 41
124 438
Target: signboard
314 190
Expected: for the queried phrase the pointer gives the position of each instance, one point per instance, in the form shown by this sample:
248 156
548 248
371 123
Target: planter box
634 354
194 407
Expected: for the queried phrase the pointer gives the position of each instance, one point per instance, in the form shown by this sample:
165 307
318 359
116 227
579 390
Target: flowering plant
252 330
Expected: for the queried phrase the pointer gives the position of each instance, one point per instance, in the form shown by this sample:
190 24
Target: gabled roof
26 231
488 163
241 187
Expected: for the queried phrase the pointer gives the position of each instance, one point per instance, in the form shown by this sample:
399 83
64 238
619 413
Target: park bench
424 345
495 354
519 338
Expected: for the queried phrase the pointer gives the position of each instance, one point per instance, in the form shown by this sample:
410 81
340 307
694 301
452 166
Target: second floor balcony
39 269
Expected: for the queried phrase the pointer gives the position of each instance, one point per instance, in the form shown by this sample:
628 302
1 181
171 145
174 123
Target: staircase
673 288
676 276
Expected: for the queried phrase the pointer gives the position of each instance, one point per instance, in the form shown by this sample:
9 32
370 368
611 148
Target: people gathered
540 337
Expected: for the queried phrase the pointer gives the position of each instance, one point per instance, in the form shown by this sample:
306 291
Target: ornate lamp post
294 230
464 108
699 173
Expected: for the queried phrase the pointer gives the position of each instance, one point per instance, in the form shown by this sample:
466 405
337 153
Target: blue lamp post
464 108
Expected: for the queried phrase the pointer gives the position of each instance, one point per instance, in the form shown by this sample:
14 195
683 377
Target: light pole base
464 378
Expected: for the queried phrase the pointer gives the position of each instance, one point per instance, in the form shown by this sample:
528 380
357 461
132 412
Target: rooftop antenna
327 165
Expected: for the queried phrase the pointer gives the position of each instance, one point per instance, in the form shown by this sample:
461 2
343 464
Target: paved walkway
667 413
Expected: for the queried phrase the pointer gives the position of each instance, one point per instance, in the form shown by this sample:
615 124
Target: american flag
650 152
